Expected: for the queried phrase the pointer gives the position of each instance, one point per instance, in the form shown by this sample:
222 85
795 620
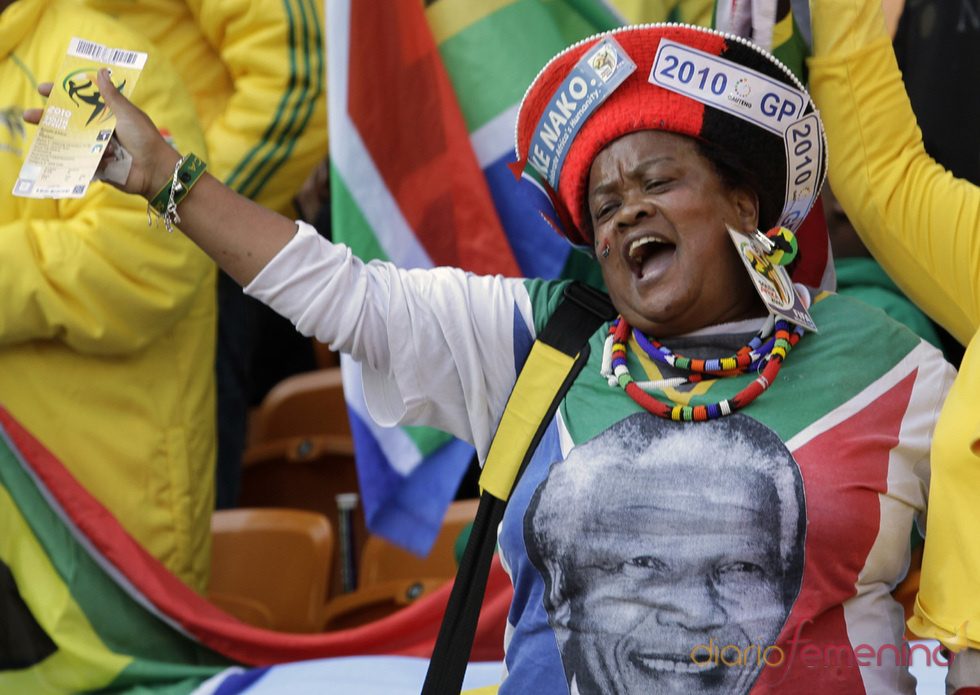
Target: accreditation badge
772 282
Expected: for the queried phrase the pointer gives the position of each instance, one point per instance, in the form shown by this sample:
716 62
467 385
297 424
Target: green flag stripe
853 373
348 222
163 678
124 626
490 73
426 439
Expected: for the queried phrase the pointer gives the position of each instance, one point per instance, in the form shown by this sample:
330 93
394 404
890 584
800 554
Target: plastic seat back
270 567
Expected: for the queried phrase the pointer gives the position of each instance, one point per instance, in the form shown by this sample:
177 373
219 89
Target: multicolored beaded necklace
766 352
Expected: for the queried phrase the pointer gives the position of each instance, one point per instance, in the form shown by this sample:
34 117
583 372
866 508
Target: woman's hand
241 235
153 159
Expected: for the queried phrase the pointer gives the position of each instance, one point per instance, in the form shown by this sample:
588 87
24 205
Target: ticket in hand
76 125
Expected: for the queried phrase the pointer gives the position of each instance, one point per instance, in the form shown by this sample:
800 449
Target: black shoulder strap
563 349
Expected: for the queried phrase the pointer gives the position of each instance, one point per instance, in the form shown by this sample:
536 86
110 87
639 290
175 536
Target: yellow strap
537 385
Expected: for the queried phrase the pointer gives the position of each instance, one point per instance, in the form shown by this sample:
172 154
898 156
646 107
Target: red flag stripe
402 103
409 632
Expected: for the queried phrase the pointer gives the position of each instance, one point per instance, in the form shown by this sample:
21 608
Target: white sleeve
436 346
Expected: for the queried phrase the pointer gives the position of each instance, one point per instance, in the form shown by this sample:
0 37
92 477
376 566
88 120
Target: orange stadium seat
269 567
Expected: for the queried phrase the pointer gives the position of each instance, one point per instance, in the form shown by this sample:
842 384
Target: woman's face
661 209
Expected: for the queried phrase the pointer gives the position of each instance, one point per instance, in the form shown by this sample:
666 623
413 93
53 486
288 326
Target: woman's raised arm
240 235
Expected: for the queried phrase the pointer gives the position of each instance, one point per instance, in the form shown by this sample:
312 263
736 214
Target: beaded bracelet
187 171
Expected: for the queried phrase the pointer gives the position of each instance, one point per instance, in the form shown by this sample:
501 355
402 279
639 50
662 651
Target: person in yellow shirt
923 225
256 72
107 328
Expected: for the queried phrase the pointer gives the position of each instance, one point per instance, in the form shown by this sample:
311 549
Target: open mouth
650 255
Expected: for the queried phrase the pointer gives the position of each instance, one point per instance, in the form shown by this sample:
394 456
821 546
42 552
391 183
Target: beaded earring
779 245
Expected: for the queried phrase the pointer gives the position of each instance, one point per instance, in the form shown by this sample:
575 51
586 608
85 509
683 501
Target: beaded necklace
766 351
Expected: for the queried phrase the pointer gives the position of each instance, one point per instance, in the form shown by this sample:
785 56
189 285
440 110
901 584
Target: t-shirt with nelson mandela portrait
755 551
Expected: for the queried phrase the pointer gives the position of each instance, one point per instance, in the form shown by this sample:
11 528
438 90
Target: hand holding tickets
75 129
241 235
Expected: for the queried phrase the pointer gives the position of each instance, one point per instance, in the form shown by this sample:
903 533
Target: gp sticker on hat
725 85
593 78
804 158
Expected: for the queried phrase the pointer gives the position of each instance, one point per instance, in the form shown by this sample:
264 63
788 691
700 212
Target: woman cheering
725 494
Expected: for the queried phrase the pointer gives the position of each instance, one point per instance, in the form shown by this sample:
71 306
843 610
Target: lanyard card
772 282
76 125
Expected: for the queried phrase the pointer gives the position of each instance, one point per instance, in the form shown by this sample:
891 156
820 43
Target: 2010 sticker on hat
758 99
725 85
804 155
595 76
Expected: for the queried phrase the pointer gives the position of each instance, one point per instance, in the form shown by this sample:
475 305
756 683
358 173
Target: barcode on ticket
104 54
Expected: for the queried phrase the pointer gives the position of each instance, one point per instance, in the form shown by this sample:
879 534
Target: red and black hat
717 88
